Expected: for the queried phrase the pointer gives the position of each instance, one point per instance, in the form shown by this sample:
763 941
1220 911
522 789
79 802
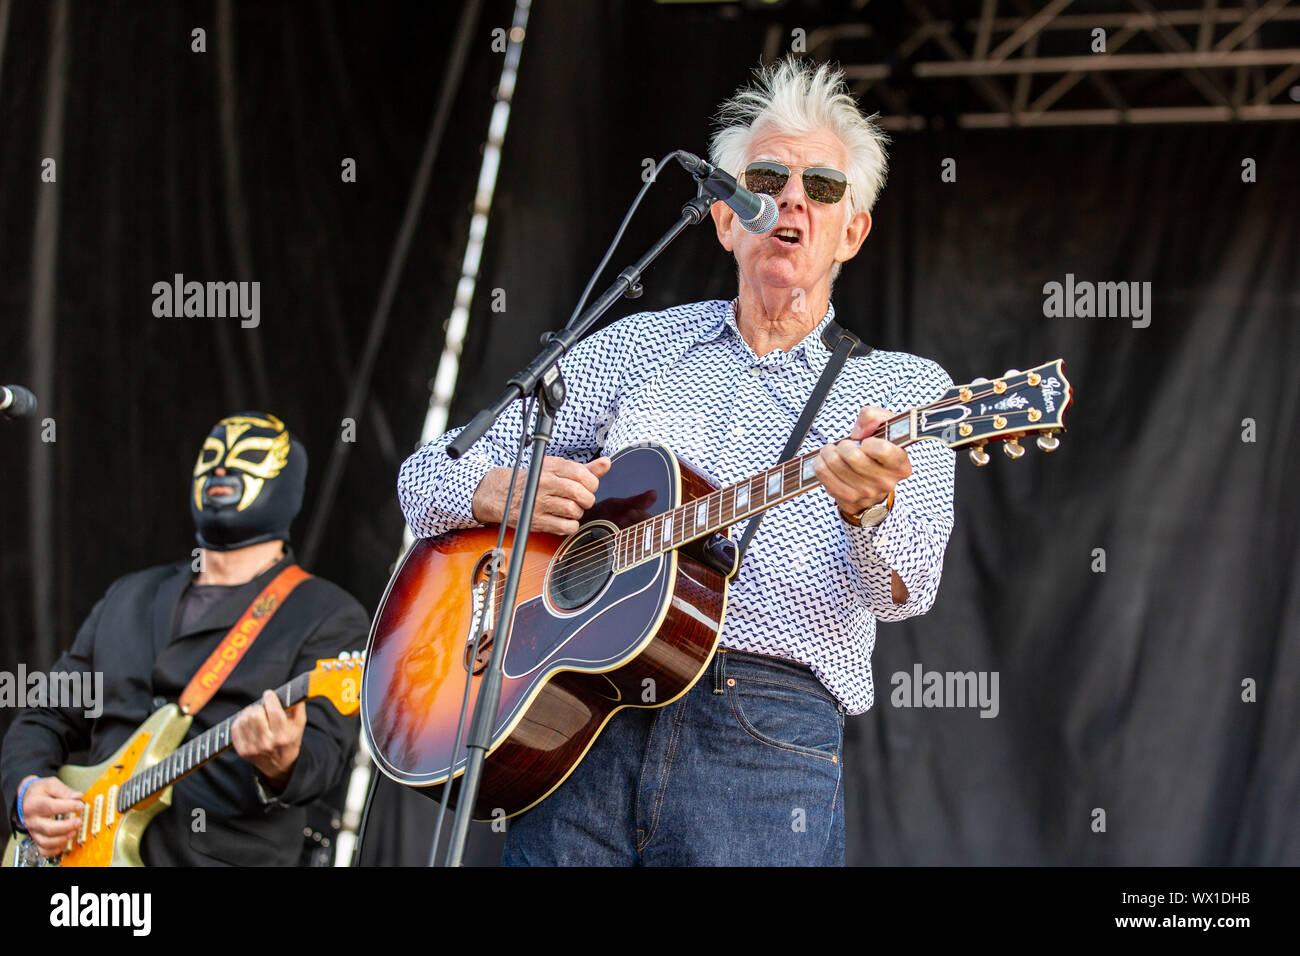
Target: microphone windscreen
765 221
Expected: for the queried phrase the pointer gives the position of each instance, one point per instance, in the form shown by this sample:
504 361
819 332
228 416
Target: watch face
873 515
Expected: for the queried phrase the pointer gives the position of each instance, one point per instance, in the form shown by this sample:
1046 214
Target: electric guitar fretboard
192 754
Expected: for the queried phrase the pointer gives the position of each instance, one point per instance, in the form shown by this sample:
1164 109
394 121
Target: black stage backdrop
1134 592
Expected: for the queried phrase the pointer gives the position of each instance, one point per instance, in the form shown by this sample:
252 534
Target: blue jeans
745 769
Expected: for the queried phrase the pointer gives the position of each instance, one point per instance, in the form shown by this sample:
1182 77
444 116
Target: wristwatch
871 516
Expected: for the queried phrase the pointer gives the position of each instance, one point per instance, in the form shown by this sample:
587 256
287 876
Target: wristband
21 790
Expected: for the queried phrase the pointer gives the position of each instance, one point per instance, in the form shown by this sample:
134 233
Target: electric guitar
625 612
125 792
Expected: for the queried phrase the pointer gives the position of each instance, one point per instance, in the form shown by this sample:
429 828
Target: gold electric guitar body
109 838
125 792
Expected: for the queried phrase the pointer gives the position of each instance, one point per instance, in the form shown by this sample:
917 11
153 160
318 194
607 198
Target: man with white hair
746 768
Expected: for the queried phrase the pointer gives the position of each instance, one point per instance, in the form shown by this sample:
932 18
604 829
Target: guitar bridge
26 854
485 593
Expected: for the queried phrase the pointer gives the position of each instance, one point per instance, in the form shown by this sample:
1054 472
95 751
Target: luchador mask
261 491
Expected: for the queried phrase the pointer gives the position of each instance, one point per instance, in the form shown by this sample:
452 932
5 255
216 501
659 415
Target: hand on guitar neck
269 737
862 470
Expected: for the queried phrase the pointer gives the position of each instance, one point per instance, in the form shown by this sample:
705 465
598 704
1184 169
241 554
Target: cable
618 236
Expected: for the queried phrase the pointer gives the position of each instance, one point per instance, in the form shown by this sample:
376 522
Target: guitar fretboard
711 513
192 754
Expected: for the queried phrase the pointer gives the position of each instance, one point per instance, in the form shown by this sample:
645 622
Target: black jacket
127 638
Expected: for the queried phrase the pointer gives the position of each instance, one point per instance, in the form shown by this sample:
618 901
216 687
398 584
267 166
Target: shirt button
755 371
159 702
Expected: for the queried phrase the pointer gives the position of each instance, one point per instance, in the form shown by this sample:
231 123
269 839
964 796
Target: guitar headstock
339 679
1005 409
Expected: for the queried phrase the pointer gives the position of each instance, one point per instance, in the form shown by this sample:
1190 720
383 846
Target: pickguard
624 614
642 482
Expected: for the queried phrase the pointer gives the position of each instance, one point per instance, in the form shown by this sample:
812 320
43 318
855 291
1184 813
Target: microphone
16 402
757 211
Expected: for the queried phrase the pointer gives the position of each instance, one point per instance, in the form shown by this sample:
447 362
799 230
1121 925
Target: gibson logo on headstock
1051 388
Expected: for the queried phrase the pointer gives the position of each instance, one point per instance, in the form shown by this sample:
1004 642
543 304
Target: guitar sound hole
582 568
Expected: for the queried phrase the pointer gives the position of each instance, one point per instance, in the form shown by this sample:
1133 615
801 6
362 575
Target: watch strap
856 520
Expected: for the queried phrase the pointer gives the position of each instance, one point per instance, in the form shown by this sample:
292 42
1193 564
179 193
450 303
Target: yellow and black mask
248 482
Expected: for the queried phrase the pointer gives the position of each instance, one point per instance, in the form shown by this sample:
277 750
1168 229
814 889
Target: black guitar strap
843 343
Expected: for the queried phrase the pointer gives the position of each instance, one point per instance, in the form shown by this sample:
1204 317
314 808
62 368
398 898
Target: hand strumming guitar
45 800
567 489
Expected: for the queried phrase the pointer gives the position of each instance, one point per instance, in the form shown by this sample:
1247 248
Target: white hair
790 96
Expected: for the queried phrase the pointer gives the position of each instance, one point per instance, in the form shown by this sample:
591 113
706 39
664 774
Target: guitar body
110 838
585 641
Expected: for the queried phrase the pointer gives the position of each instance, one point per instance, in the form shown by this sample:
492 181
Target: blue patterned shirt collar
811 347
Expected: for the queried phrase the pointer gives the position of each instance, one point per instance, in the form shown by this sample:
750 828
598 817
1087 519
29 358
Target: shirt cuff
460 497
450 504
886 545
268 799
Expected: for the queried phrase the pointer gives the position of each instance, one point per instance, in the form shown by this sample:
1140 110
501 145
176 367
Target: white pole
444 382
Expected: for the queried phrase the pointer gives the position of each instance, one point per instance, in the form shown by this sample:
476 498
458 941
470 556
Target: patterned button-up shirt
811 587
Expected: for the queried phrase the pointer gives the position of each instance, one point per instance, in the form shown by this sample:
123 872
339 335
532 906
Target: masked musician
154 629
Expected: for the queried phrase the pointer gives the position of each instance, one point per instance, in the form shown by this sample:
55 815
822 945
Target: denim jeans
745 769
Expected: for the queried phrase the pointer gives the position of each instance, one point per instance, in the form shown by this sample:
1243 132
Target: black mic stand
542 378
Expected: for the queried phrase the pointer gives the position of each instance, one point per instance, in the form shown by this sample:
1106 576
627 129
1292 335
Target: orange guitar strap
239 639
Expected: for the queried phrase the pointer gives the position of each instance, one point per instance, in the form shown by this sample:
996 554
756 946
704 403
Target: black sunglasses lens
824 185
769 178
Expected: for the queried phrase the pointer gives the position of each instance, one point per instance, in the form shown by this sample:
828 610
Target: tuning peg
979 455
979 381
1048 442
1011 371
1012 448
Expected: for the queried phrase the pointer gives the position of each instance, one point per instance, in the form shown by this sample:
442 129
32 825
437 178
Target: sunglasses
820 183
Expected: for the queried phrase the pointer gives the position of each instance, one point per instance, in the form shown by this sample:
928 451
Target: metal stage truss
1002 63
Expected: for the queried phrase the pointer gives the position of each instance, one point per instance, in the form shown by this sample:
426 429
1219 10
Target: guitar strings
590 562
594 557
880 432
597 551
640 526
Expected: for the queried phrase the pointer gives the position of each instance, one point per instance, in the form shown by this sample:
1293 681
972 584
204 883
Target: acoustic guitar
625 612
125 792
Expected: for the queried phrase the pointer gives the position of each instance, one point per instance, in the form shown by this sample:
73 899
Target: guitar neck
711 513
193 754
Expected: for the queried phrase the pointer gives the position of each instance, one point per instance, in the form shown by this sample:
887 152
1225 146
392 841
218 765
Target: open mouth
222 488
787 236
